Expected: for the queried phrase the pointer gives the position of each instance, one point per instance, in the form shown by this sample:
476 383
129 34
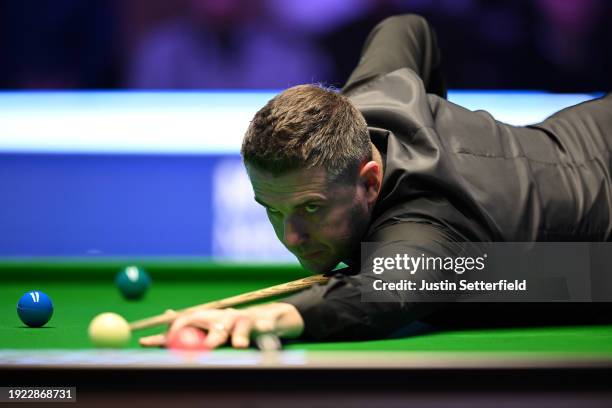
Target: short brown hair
308 126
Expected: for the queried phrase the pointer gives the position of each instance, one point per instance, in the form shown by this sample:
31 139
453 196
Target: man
390 160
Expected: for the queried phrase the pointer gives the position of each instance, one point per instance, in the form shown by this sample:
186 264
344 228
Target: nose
294 233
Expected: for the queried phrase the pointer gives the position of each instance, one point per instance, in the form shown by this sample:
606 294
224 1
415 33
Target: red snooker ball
187 338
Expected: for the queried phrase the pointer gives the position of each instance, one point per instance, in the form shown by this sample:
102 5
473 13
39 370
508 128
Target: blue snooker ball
35 308
133 282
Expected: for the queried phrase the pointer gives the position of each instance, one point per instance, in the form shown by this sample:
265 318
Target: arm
405 41
335 311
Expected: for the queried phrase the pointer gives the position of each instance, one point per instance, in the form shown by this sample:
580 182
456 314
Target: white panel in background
188 122
126 122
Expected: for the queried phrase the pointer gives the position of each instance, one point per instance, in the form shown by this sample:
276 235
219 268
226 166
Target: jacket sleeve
402 41
336 310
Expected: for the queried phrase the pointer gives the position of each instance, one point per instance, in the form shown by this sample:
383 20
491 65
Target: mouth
312 255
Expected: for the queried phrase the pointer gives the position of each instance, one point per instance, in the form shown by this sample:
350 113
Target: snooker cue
281 289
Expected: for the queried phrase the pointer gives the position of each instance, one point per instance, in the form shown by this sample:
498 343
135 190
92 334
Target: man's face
321 223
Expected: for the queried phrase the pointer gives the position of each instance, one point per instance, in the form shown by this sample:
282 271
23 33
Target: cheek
339 224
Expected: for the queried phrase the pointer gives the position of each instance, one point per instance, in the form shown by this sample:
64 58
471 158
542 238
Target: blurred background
121 120
559 45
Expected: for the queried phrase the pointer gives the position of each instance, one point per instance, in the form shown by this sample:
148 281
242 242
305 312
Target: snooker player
389 159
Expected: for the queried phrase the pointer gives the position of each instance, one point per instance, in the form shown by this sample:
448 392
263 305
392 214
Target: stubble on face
330 237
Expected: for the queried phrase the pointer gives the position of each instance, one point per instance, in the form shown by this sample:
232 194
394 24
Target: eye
311 208
272 210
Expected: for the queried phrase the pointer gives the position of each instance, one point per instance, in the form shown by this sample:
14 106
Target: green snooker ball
133 282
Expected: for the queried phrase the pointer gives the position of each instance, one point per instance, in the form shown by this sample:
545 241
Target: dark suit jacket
452 175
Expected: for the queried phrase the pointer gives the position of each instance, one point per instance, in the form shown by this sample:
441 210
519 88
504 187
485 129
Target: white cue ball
109 330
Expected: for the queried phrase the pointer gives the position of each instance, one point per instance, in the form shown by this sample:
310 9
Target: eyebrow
299 204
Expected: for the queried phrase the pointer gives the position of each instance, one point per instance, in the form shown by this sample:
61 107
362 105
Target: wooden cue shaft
276 290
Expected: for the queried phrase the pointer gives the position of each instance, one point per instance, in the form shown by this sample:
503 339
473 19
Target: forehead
292 181
290 187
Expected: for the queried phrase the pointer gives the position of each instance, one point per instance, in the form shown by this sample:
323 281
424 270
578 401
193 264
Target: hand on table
235 326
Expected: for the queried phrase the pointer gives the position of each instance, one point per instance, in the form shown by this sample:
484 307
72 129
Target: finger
157 340
265 325
218 333
241 333
200 319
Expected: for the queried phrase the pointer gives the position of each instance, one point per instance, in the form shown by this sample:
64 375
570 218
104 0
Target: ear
370 176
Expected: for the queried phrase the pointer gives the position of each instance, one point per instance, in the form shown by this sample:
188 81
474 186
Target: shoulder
404 78
413 230
396 96
411 237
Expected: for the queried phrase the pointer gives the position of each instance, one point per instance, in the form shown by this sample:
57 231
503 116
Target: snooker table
555 365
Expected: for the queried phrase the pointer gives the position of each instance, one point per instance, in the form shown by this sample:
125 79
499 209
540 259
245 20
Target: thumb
158 340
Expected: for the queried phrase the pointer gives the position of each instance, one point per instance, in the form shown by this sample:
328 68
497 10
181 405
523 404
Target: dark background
558 45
